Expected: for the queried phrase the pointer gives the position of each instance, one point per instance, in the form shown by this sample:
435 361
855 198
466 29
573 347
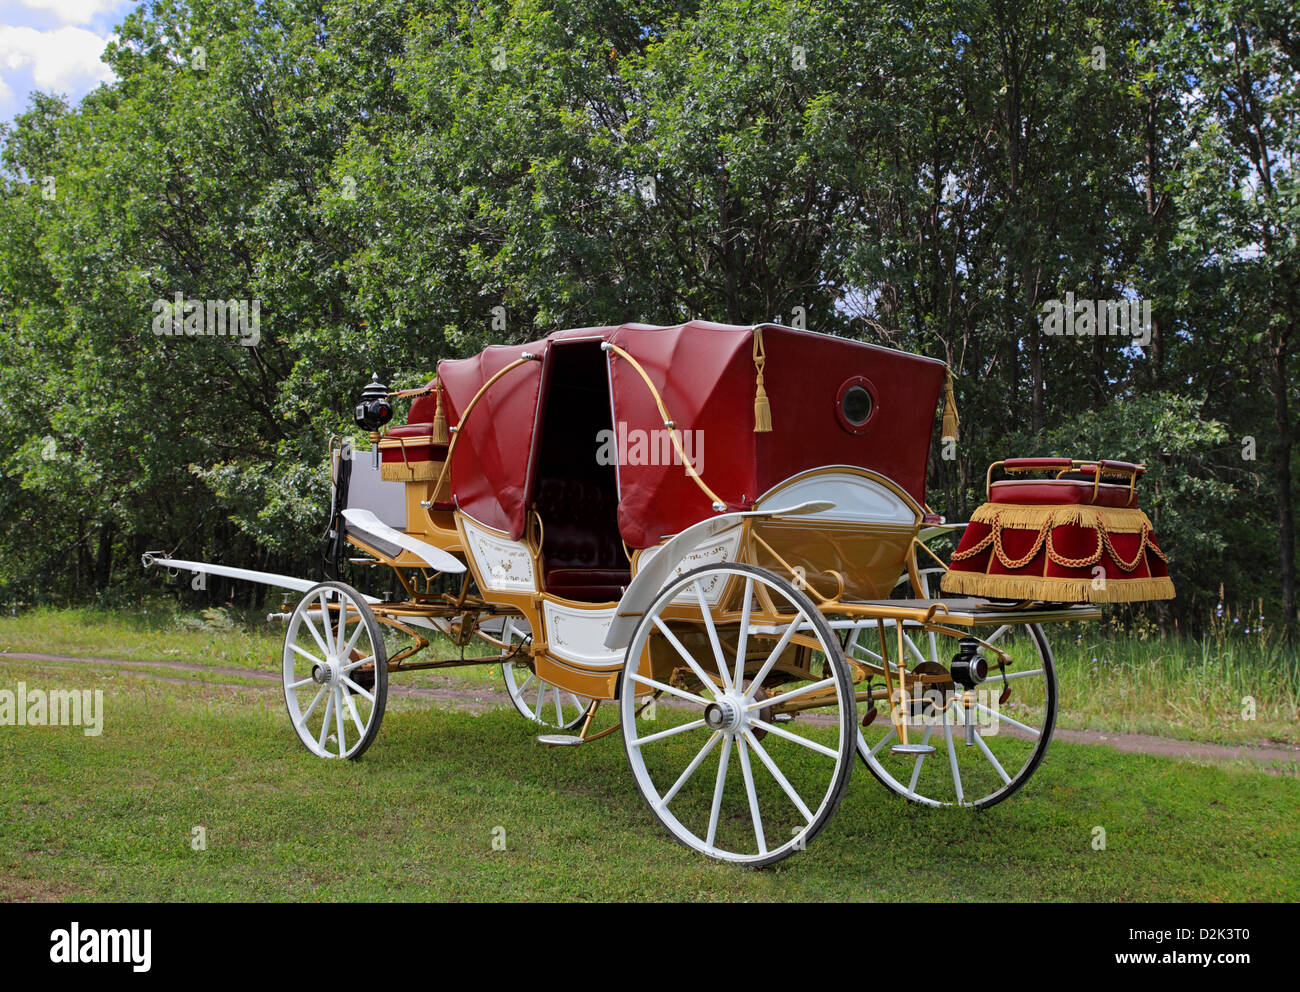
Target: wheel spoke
916 766
748 775
307 654
717 791
352 641
743 637
772 658
352 708
811 745
803 690
325 722
352 666
302 720
670 732
338 721
997 633
359 690
707 616
671 689
311 627
776 774
992 760
1003 717
301 682
526 683
952 758
915 651
893 732
686 655
328 624
1011 676
690 769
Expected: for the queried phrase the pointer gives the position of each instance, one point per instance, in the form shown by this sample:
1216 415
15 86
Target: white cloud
65 59
72 11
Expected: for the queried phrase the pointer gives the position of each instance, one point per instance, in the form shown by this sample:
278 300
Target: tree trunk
1282 486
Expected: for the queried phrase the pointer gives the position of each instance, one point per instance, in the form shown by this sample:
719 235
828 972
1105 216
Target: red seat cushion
591 585
1039 492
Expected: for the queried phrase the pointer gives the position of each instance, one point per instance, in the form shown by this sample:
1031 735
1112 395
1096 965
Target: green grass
1139 682
112 817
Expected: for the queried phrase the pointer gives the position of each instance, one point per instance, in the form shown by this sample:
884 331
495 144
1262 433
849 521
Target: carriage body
726 520
564 480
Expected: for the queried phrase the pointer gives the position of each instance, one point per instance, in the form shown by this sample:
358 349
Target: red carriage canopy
706 374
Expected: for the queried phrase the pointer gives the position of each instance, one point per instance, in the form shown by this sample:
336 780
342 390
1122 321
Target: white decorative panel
856 497
715 551
504 564
578 635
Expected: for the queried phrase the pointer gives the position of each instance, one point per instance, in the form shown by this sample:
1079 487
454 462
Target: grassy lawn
1110 680
112 817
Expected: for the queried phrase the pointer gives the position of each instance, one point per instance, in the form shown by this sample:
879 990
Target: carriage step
560 740
913 750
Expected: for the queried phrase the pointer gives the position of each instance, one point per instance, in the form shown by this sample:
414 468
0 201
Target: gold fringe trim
950 419
440 434
410 471
1056 589
762 408
1116 520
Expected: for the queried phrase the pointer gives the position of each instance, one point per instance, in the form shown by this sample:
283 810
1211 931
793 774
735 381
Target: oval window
854 404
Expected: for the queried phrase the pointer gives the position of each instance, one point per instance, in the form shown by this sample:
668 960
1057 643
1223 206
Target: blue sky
53 45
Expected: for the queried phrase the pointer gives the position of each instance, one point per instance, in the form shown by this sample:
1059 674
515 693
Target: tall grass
1240 681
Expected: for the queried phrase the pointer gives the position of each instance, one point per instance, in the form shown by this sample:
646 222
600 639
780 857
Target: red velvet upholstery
418 447
582 555
1039 492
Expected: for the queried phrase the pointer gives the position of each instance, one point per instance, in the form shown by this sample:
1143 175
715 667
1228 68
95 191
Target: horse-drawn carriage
705 526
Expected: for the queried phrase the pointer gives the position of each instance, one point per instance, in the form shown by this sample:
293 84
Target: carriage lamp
969 667
374 410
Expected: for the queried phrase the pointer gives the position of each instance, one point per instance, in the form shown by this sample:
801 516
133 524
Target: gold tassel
1112 519
950 418
1054 589
762 408
440 434
410 471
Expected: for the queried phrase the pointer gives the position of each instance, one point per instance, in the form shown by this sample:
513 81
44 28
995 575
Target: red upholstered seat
408 454
582 555
1039 492
590 585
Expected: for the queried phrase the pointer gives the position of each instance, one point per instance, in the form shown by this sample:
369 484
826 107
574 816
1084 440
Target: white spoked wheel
335 671
728 757
989 737
534 698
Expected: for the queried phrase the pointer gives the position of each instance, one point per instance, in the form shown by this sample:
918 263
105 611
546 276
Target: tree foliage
388 176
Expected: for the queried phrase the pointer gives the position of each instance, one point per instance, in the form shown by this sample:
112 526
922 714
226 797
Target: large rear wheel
990 736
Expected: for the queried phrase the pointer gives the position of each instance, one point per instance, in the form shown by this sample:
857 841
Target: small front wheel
335 672
738 714
535 698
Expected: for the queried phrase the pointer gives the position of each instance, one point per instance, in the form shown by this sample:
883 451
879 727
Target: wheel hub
726 713
322 674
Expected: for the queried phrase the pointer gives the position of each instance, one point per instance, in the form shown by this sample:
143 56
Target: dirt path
481 698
